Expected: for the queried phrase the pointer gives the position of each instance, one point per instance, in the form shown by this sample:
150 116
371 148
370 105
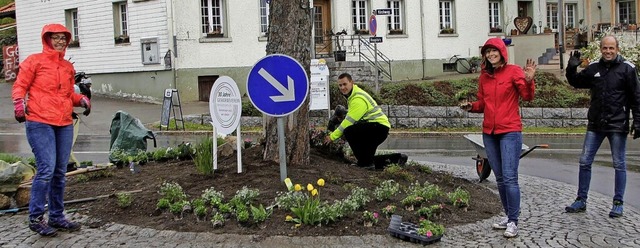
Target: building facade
138 48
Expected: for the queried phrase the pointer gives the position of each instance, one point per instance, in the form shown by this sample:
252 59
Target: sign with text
225 105
10 56
383 11
319 95
375 39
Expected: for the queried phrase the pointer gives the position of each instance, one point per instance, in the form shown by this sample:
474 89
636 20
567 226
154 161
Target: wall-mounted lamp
599 6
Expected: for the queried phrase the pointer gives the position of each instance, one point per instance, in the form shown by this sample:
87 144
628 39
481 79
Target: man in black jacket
615 91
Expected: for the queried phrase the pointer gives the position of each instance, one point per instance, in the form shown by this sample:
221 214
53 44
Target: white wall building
137 48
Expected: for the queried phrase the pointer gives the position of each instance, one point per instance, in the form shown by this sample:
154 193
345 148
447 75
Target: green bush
248 109
550 92
9 158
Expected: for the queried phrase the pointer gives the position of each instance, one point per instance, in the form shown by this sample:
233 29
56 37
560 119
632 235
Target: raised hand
530 70
574 59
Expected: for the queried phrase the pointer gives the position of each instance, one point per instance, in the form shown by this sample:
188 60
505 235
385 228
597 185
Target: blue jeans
592 142
51 146
503 152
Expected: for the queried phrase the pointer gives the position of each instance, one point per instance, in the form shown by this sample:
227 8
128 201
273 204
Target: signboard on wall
10 56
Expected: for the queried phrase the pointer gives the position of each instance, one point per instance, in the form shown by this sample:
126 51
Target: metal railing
356 45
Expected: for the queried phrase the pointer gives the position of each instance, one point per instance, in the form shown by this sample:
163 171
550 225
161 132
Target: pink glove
18 110
86 104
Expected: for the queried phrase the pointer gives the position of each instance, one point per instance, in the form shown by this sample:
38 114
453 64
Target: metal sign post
225 107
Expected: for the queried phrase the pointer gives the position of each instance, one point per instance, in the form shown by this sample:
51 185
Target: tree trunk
290 34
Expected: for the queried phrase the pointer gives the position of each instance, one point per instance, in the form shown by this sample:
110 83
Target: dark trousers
364 138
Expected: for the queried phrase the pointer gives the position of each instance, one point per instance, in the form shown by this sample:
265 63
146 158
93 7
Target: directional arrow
288 94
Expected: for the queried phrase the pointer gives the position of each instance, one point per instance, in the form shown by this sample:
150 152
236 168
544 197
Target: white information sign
319 95
225 105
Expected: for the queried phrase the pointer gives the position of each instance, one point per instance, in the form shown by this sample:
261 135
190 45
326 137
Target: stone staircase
551 59
360 71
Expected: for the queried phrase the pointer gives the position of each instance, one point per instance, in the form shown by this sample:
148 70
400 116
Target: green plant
396 171
217 220
178 207
225 208
163 203
82 178
430 229
185 151
141 157
369 218
428 212
124 199
172 192
9 158
171 153
389 210
246 195
203 156
386 190
289 199
200 211
159 154
411 201
459 198
212 196
242 215
260 214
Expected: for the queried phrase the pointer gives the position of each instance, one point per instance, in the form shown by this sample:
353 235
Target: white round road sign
225 105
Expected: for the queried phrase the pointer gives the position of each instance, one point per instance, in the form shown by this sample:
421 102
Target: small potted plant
447 31
395 31
121 39
496 29
548 30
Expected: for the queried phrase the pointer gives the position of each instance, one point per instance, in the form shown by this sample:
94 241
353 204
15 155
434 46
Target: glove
86 104
574 60
18 110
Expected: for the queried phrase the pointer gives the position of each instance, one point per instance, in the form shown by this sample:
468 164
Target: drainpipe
173 43
424 52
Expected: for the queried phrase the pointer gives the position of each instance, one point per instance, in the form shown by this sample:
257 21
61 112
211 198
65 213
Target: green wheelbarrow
483 168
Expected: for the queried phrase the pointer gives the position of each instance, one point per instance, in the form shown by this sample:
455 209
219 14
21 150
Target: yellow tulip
314 192
320 182
288 218
298 187
309 187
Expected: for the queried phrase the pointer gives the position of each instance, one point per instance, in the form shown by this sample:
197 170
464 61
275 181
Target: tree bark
290 34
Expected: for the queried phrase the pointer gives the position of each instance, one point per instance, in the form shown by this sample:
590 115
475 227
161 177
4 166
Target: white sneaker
502 224
512 230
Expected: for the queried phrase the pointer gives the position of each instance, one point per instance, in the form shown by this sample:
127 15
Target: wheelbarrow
483 168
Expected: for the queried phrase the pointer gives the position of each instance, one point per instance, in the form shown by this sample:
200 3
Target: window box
121 39
215 35
396 31
495 30
74 43
362 32
447 31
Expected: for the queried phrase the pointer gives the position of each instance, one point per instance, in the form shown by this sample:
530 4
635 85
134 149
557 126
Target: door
204 87
322 26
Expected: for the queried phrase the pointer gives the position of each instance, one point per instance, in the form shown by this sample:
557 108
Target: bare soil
265 176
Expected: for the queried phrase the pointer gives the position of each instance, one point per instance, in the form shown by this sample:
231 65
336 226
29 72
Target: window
120 22
396 19
626 12
213 18
359 16
570 16
495 21
264 17
552 15
447 18
71 21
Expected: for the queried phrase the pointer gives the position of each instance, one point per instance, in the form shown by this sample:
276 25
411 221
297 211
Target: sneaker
40 226
502 224
403 159
616 210
512 230
64 225
577 206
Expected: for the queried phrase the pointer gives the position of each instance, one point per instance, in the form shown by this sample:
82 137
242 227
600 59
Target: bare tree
290 34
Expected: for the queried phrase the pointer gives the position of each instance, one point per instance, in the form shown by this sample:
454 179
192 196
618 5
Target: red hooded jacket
45 81
499 93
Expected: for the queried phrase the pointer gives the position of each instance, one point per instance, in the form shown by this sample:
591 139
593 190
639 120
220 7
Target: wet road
558 163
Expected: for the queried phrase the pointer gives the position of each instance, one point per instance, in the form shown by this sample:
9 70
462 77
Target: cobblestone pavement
543 223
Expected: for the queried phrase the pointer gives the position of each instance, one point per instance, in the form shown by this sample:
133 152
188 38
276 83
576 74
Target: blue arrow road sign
277 85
